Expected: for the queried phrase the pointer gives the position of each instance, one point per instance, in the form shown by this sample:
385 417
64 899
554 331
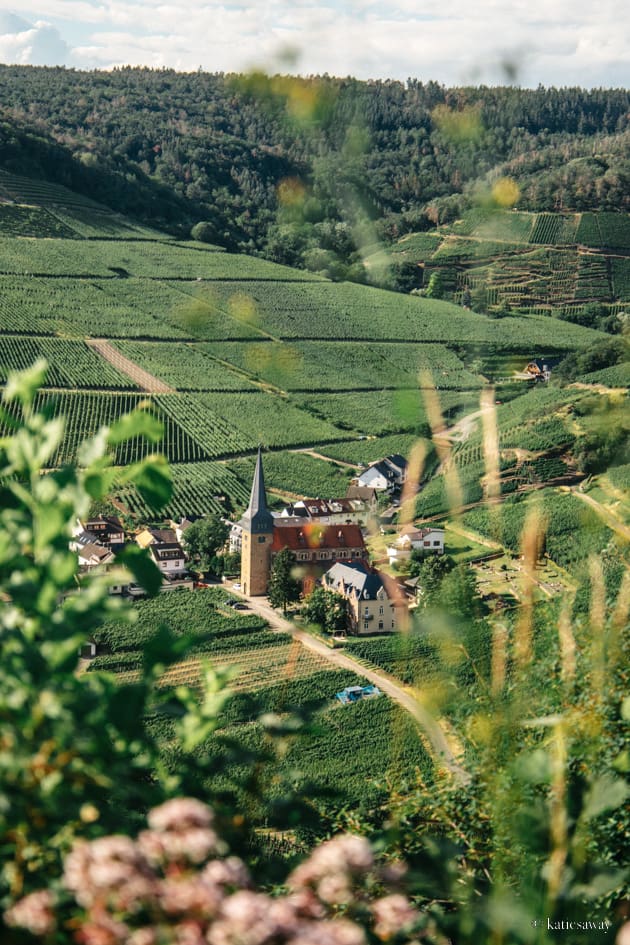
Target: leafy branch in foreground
74 756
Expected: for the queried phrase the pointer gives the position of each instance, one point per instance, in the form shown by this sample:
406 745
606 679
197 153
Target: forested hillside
310 171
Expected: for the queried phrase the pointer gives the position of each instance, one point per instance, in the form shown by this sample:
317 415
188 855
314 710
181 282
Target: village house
426 540
387 475
328 511
370 608
169 557
184 523
235 538
366 494
106 529
155 536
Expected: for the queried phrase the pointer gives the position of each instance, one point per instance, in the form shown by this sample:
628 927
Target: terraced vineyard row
83 307
298 474
148 259
86 412
186 366
71 363
206 423
384 412
31 221
315 365
262 418
29 190
259 668
592 278
198 489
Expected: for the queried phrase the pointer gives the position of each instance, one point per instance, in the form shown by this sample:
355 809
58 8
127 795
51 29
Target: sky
455 42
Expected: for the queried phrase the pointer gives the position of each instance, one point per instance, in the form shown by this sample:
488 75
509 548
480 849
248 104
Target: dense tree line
310 171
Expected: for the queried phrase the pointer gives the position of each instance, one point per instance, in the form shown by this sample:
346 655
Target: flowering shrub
176 884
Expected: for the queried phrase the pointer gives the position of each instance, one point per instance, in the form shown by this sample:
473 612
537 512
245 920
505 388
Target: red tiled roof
298 537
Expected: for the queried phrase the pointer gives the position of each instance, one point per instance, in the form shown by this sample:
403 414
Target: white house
235 538
387 475
328 511
91 555
169 557
426 540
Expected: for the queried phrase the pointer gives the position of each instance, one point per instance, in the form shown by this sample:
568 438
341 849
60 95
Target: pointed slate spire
257 517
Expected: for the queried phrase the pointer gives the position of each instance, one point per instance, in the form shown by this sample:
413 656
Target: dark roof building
342 577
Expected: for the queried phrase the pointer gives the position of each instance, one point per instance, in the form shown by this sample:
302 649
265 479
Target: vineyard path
461 430
436 739
605 514
329 459
144 380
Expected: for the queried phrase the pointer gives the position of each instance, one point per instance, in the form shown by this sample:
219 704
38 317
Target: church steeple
257 537
257 517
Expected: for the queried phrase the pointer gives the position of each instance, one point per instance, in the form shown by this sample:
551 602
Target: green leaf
23 385
152 478
143 569
606 793
137 423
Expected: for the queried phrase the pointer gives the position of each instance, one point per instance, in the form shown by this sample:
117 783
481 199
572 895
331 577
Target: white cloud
38 45
565 42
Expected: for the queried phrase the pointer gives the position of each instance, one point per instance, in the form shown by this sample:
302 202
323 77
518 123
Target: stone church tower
257 525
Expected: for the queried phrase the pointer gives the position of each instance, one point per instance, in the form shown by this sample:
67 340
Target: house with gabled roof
428 540
372 605
328 511
387 475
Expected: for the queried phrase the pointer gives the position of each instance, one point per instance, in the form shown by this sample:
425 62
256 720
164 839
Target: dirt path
603 512
328 459
461 430
143 379
599 388
434 736
473 536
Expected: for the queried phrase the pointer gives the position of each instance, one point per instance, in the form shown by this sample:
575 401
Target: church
315 547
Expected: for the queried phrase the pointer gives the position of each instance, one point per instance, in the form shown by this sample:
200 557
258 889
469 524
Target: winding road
433 734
